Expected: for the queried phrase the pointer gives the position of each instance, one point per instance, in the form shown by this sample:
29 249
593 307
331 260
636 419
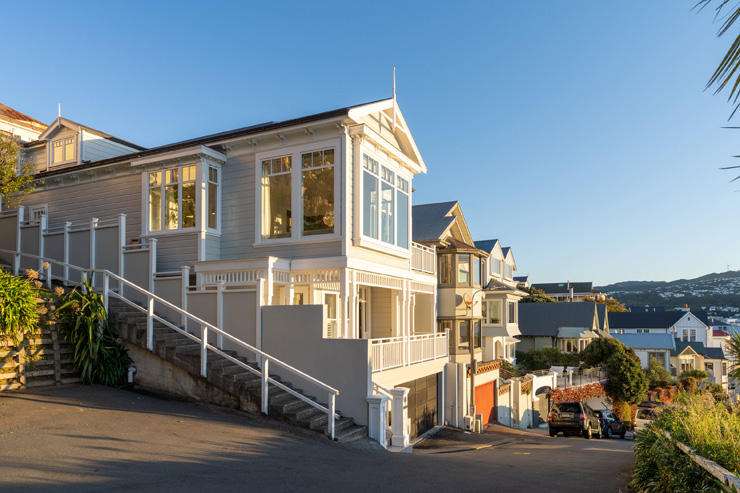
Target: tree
13 184
599 351
657 375
626 382
537 295
543 359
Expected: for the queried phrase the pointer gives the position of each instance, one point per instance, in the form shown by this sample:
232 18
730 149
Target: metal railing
423 258
263 358
397 352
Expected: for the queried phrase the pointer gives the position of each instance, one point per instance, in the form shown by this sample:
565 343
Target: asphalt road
79 438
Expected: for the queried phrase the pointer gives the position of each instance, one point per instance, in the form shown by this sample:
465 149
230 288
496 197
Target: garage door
422 403
484 401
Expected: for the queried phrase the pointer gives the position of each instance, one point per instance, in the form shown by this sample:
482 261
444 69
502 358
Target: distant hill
720 290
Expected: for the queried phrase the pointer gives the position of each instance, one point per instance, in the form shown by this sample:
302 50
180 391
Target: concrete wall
294 334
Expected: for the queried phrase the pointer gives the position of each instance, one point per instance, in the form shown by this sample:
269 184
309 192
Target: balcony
397 352
423 258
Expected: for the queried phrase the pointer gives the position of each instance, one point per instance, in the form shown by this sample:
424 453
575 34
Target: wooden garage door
422 404
484 401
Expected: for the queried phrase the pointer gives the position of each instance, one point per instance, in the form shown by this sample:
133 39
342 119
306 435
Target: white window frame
36 211
486 321
296 200
66 159
201 198
383 161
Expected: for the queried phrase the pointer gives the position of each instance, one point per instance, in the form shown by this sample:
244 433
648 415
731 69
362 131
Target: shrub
98 355
625 379
710 428
19 300
690 379
543 359
600 350
657 375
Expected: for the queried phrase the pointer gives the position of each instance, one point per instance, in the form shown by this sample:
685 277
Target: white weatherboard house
310 211
681 324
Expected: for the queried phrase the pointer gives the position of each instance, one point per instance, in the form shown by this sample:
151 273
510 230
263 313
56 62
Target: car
611 426
573 418
645 415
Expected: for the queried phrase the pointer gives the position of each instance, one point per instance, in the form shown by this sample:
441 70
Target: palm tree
732 348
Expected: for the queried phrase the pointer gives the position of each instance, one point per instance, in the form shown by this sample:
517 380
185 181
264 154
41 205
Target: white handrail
265 358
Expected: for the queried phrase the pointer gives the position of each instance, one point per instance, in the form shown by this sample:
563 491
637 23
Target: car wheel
553 432
609 433
587 434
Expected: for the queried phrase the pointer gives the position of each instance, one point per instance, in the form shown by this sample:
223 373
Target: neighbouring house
19 125
570 291
649 347
681 324
569 327
522 280
476 305
314 210
692 355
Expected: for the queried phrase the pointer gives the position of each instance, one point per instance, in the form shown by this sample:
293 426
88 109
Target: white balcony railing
397 352
423 258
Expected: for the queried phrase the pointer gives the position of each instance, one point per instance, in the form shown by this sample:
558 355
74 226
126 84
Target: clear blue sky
577 132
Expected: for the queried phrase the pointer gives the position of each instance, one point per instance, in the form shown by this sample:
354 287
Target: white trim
190 151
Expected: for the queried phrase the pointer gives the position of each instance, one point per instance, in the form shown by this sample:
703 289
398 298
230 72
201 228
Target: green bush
657 375
18 306
710 428
98 355
543 359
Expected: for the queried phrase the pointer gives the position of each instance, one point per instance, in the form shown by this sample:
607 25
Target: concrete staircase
227 376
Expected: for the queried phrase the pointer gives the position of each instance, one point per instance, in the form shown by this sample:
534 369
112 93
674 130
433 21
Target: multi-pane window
508 271
63 150
463 268
512 312
445 268
475 270
463 328
318 192
276 197
692 335
213 197
385 204
477 336
172 198
491 311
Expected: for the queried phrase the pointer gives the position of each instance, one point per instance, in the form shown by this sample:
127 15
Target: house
19 125
314 210
570 291
647 347
476 305
570 327
681 324
693 355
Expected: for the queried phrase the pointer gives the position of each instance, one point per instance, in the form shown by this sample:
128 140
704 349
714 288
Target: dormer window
63 150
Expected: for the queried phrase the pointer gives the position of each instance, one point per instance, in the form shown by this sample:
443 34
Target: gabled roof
430 221
66 122
545 319
647 341
20 118
644 320
564 287
603 313
521 278
486 245
700 348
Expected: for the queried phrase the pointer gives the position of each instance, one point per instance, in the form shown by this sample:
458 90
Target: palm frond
727 74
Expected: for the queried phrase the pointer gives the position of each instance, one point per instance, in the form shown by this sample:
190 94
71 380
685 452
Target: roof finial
394 97
59 110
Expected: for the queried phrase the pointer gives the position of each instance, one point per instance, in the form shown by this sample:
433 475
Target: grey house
567 326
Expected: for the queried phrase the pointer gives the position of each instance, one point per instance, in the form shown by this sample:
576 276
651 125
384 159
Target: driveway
79 438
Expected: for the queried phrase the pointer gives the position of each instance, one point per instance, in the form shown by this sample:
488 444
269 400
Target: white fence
396 352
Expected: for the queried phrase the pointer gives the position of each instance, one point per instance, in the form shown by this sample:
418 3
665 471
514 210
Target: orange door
484 401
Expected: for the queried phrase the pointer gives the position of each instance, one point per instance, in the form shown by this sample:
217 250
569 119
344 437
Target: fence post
259 288
67 227
184 295
121 245
106 285
43 222
332 409
48 275
18 240
220 313
265 377
150 323
83 280
152 262
93 226
203 351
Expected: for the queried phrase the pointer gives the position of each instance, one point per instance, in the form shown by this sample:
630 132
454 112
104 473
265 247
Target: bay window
512 312
475 270
445 269
276 197
463 268
318 192
385 204
172 198
492 312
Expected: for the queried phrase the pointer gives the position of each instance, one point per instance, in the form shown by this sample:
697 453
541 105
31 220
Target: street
80 438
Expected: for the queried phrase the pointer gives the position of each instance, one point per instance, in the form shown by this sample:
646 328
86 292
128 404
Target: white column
18 240
351 302
259 290
220 313
185 284
93 227
121 246
343 295
270 285
67 228
291 291
442 410
400 417
43 223
152 262
377 418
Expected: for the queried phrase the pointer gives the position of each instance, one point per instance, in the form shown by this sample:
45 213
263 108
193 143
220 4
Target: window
709 368
512 312
213 197
385 204
35 212
495 266
475 270
724 368
317 190
444 325
370 197
657 356
276 197
476 334
692 335
463 268
463 328
63 150
445 269
685 334
172 198
492 311
507 271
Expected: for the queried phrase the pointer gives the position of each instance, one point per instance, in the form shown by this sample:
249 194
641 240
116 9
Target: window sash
386 204
462 268
493 309
172 198
317 192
